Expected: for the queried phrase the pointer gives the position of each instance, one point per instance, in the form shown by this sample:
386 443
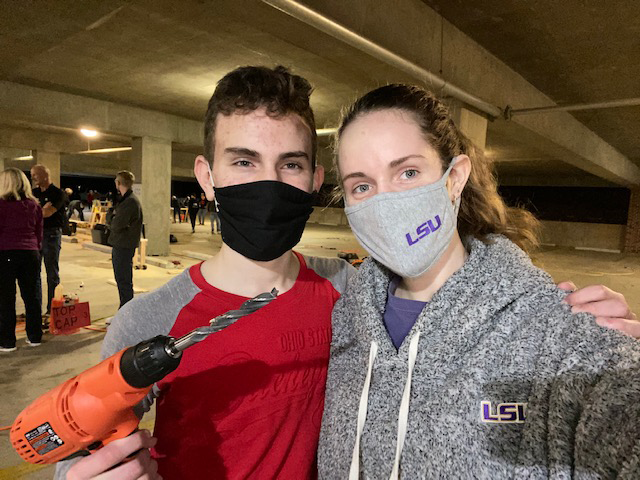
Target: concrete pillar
151 165
470 123
51 160
632 235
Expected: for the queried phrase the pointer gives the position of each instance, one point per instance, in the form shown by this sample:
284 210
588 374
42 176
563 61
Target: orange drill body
84 413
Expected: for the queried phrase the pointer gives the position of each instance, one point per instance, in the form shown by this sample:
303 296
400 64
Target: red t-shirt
247 402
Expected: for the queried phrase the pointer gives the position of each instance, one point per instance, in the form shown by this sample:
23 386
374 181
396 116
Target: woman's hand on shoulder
610 308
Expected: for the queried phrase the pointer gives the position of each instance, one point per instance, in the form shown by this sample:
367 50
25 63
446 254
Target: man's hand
48 210
610 308
140 467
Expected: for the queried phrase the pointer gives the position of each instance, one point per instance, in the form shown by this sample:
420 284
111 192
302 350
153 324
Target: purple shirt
400 314
20 225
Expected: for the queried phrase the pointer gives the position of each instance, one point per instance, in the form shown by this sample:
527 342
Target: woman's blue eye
361 188
411 173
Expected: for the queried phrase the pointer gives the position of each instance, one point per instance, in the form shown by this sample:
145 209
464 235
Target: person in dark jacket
175 204
125 227
193 205
202 211
53 202
20 242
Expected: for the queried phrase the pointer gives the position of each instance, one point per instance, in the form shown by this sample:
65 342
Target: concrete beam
32 105
438 46
28 139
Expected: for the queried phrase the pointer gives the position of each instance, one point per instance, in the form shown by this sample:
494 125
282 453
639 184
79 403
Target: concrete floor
30 372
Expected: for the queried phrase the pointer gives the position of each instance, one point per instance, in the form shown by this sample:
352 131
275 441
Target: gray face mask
406 231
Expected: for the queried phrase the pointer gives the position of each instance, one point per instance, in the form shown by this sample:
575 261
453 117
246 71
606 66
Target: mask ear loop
456 200
215 199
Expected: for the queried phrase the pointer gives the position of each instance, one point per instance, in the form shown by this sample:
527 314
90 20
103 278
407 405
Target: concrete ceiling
167 56
573 51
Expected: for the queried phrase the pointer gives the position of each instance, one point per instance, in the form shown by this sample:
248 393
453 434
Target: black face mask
262 220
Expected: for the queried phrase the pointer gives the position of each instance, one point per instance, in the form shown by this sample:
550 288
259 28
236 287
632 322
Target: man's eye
408 174
292 165
362 188
242 163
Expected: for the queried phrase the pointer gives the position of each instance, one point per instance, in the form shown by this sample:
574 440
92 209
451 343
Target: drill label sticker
43 439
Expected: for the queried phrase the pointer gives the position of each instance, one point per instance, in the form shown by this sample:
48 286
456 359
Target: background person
214 218
125 228
202 210
193 205
20 242
52 200
75 204
175 205
452 355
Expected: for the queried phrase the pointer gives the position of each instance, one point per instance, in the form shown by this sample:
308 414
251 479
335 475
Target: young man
249 399
247 402
52 200
125 227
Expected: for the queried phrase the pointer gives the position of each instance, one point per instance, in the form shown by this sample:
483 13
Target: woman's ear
458 176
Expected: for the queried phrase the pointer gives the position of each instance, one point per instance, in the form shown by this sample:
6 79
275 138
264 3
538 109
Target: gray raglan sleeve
594 405
146 316
336 270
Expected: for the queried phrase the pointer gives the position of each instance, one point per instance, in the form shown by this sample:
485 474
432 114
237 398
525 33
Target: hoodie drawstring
354 472
403 416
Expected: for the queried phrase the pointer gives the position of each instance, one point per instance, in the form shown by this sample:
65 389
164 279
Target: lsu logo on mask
503 413
424 230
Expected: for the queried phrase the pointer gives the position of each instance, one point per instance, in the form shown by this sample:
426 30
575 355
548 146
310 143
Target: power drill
95 407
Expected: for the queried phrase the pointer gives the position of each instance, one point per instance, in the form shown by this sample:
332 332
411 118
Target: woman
20 243
202 208
452 355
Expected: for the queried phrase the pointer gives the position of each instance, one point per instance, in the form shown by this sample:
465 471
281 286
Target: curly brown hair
482 209
247 89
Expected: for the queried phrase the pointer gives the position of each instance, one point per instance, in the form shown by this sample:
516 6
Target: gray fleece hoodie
507 383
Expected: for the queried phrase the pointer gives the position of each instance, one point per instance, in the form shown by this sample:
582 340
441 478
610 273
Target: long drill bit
223 321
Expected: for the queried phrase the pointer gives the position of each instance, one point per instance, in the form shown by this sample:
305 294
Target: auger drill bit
223 321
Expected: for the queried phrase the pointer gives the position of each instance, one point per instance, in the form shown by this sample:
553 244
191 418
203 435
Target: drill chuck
149 362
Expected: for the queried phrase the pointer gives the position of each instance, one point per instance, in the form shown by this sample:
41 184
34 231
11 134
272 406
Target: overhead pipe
330 27
627 102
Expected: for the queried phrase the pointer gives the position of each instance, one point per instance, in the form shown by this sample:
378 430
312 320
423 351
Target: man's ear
203 174
318 178
459 176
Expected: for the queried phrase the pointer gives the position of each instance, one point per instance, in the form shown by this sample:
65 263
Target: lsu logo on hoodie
510 412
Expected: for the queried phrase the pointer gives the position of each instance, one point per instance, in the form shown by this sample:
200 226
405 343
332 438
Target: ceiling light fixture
26 157
107 150
88 133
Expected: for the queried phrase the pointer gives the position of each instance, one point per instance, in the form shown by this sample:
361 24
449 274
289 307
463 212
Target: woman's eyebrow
353 175
401 160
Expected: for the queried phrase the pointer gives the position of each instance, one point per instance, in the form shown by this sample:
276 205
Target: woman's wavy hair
482 209
14 185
